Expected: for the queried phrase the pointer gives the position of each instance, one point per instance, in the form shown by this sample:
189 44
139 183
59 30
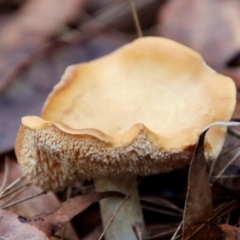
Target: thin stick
229 150
6 173
227 177
177 230
226 166
14 190
12 196
12 184
234 132
23 200
136 19
118 209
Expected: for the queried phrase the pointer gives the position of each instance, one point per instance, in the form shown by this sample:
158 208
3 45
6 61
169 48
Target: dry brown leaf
47 202
209 27
198 205
231 232
30 28
13 227
50 223
38 20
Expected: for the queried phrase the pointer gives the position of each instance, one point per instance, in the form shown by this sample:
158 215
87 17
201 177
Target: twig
13 196
12 184
226 166
162 211
118 209
135 18
227 176
177 230
229 150
161 235
6 173
23 200
234 132
14 190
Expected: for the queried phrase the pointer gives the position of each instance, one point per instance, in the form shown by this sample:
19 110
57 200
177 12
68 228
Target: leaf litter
45 225
198 219
221 210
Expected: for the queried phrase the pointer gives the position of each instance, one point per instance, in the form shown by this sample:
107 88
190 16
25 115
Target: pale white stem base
120 228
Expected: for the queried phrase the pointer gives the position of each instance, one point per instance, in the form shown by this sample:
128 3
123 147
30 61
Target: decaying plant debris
197 202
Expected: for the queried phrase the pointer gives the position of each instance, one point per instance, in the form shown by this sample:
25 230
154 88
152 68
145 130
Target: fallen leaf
49 223
14 228
209 27
231 232
198 205
35 23
47 202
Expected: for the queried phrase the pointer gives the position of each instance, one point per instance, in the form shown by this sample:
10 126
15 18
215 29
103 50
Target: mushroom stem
120 228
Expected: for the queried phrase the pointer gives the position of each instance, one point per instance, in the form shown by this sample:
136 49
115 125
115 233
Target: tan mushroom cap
139 109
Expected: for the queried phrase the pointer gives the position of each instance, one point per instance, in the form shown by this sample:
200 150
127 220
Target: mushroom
136 111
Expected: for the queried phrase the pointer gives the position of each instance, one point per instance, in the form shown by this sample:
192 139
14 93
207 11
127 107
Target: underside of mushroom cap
53 155
139 109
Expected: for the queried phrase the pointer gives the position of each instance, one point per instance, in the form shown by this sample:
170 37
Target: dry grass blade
115 13
6 173
234 132
162 228
226 177
11 185
229 150
163 234
226 166
135 18
226 151
161 211
225 209
161 202
177 231
23 200
49 223
14 190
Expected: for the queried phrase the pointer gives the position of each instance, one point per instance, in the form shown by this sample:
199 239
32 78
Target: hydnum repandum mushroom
136 111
